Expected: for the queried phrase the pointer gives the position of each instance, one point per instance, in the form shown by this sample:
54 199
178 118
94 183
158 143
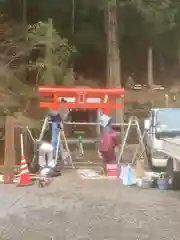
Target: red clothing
106 111
109 140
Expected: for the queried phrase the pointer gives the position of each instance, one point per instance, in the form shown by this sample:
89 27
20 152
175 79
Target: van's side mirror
147 124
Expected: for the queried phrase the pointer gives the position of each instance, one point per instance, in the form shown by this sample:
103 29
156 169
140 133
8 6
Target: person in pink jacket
109 140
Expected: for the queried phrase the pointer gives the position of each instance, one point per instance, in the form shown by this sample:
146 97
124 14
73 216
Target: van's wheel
174 181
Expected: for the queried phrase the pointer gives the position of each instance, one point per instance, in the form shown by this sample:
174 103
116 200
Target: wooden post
9 153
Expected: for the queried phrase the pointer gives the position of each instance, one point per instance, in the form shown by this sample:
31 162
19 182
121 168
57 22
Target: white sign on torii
88 100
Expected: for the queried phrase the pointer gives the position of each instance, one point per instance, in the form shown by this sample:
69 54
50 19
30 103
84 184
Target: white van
163 124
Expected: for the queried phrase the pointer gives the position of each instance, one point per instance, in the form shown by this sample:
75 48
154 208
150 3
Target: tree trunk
150 79
73 16
25 31
161 62
24 17
113 54
179 57
48 76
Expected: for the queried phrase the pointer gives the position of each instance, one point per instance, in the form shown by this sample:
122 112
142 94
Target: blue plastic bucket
163 184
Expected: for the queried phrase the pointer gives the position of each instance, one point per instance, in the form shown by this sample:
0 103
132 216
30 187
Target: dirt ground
72 208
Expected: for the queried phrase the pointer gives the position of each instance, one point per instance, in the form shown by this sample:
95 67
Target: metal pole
141 140
122 122
40 138
96 123
22 145
138 148
30 134
98 129
81 149
66 144
85 141
58 146
43 128
123 146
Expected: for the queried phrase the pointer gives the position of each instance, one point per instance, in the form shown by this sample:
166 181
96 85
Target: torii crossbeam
80 97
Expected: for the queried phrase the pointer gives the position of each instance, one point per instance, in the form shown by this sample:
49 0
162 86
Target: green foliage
54 51
157 17
12 52
141 23
157 14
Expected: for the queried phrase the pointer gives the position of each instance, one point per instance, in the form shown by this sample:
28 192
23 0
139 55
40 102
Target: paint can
139 182
163 184
146 183
163 181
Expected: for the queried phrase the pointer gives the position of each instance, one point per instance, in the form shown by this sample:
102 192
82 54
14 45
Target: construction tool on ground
38 179
43 181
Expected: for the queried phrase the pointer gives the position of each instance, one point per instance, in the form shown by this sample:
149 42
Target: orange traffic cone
25 179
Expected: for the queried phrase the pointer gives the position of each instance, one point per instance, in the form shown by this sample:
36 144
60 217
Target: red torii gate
106 95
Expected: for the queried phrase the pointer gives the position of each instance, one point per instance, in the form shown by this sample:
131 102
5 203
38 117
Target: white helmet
105 120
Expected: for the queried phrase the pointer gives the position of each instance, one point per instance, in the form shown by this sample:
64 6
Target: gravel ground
71 208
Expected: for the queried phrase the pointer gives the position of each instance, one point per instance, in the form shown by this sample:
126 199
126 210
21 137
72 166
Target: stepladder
63 148
140 151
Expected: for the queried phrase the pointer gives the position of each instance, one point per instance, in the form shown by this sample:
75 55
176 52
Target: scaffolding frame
81 96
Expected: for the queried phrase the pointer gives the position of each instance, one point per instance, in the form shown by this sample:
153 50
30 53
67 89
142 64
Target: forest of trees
146 30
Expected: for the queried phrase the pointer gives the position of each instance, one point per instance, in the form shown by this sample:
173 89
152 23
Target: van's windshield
168 121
